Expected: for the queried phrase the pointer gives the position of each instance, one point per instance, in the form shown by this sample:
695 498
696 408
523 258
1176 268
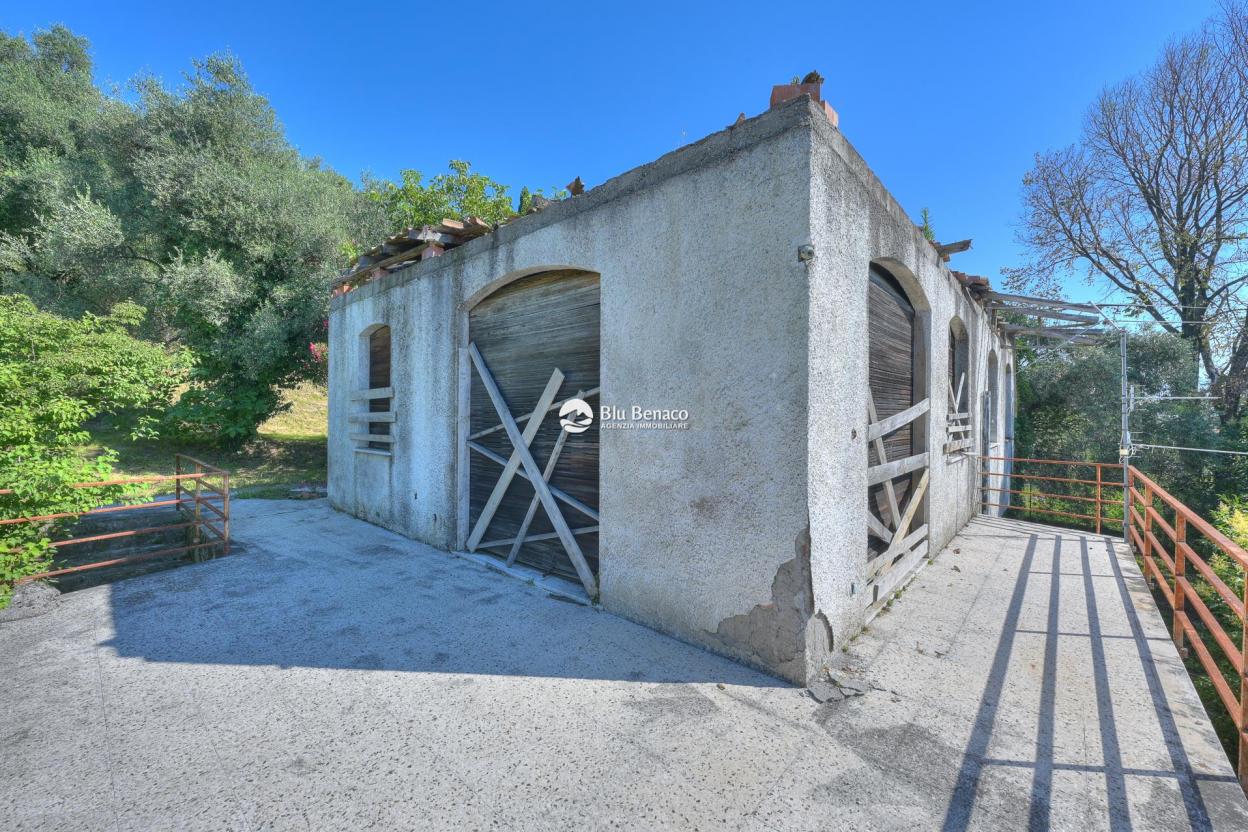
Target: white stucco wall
409 492
738 532
855 222
703 308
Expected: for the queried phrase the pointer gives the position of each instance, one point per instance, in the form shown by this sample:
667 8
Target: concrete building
785 381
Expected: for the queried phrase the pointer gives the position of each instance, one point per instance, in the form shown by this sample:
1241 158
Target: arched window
958 394
959 360
379 380
992 406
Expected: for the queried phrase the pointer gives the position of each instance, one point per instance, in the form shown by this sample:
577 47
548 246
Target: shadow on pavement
316 588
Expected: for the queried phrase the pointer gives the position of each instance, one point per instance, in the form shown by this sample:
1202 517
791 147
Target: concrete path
335 676
1032 679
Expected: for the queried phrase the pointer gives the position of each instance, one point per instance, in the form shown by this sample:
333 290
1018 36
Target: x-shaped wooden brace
899 537
522 456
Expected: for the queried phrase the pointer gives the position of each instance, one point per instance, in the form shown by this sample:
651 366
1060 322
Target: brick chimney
811 85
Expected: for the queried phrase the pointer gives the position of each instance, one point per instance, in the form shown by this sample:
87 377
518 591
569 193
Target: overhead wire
1116 323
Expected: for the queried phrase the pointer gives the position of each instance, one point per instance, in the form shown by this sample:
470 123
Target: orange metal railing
202 497
1185 549
1176 546
1091 493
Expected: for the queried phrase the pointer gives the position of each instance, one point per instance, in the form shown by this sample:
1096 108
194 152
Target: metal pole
1099 476
1124 450
225 486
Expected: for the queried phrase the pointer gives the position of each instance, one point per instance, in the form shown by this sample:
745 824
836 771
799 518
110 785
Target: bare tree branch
1153 200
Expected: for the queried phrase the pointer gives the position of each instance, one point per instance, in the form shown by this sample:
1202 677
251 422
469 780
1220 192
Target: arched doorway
897 409
532 485
1008 394
989 438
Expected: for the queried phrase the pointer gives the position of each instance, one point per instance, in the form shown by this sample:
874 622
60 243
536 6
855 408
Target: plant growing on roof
413 202
925 226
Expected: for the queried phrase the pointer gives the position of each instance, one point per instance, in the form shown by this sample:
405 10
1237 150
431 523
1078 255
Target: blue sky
947 102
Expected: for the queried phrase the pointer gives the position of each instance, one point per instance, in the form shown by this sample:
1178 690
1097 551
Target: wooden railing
202 497
1090 492
1187 548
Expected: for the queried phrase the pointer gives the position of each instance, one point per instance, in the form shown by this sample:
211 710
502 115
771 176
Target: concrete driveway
332 675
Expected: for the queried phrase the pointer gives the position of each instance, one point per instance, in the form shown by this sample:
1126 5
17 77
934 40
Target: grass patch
289 451
306 421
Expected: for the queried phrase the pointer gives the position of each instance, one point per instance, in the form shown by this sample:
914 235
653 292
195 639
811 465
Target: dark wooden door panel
524 332
890 339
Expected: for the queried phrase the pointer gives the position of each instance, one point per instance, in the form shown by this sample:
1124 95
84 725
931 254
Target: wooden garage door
896 466
891 376
524 333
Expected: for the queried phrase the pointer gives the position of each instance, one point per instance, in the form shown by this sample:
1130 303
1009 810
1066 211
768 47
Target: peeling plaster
775 635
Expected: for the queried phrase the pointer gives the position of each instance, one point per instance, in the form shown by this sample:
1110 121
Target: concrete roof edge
834 139
797 113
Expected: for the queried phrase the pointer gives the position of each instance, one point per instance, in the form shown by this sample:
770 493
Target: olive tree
189 200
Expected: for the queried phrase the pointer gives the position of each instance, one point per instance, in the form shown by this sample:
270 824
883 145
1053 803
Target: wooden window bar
958 431
367 442
197 486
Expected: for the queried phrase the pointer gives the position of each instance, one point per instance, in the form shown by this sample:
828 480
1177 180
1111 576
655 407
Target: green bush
56 374
1068 408
190 200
